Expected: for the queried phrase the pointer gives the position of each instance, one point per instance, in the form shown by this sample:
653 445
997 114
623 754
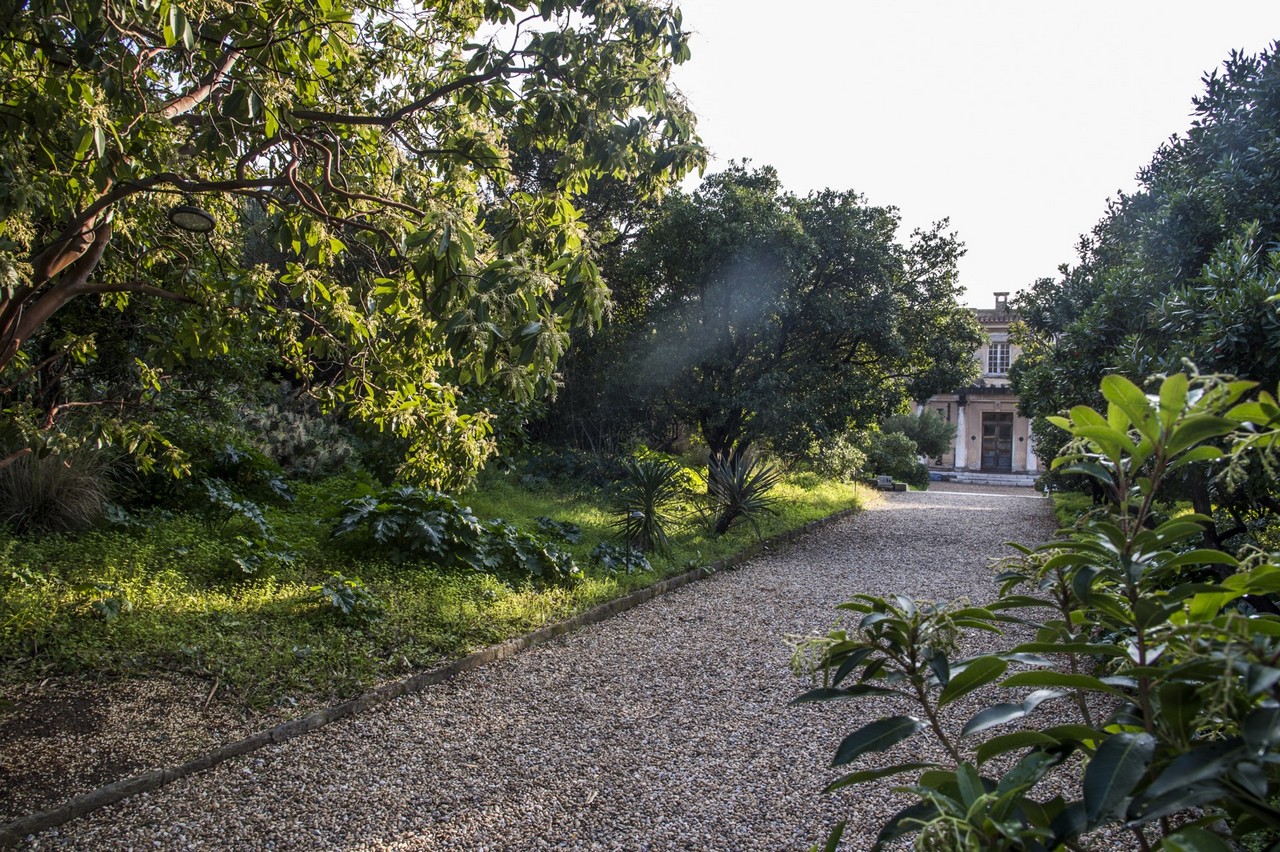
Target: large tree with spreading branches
358 164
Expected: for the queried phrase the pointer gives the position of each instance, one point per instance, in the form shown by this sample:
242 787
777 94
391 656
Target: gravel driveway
664 728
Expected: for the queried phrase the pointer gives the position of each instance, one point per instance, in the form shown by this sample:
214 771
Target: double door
997 441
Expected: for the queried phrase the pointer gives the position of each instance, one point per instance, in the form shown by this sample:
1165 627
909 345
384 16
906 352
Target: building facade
992 441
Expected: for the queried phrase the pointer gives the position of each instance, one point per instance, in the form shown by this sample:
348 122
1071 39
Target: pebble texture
666 728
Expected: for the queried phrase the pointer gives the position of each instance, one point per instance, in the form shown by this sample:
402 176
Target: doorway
997 441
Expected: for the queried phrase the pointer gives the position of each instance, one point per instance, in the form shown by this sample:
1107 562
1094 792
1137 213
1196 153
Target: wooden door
997 441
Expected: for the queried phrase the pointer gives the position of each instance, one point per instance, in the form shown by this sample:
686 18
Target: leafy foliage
618 559
1160 644
419 524
895 454
350 597
931 434
1183 270
751 314
391 192
838 456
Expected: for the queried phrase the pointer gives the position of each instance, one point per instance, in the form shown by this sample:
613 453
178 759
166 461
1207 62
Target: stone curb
14 833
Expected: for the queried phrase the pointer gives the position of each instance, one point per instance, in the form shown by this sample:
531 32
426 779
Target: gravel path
665 728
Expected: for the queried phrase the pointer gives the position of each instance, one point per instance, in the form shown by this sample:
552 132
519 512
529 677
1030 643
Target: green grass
1068 506
164 597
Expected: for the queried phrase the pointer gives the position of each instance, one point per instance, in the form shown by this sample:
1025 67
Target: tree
379 142
1184 269
932 435
783 319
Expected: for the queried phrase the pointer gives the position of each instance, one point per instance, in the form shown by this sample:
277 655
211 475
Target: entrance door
997 441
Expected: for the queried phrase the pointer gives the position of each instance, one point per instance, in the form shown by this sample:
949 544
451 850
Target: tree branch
191 100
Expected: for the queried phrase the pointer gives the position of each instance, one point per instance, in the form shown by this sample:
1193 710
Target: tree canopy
378 156
1187 268
762 316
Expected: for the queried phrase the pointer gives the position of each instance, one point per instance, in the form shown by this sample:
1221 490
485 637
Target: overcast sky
1015 119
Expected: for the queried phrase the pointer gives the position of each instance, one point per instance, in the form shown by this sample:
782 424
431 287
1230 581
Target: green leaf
1130 399
1261 728
1011 742
1199 764
829 694
833 839
1194 839
874 775
1061 680
877 736
976 673
999 714
1197 429
1173 398
1116 768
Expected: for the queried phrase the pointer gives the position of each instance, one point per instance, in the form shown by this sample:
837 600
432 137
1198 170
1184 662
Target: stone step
969 477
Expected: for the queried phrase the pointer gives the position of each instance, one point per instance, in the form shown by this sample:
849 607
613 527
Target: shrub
894 454
614 559
417 523
301 441
56 493
1168 651
931 434
837 457
649 489
740 487
349 597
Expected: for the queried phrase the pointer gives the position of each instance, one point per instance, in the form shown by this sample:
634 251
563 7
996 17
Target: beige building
992 441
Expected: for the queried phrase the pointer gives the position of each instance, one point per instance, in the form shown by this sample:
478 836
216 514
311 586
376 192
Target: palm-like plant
649 488
740 486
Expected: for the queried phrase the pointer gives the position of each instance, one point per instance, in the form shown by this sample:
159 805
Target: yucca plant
740 486
649 489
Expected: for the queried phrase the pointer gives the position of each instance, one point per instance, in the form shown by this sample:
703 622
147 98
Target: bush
410 523
1165 655
894 454
301 441
838 457
930 433
56 493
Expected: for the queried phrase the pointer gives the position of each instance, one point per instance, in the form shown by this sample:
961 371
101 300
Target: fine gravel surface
665 728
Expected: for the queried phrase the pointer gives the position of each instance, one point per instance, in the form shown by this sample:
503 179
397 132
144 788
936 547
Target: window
998 359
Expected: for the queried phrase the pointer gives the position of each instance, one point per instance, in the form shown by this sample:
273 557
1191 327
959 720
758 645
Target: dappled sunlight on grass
166 596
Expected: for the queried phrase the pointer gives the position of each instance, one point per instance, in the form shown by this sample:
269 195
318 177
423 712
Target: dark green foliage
751 314
349 597
1183 270
649 489
932 435
301 441
838 456
895 454
1167 650
411 523
739 488
563 530
619 559
54 493
418 524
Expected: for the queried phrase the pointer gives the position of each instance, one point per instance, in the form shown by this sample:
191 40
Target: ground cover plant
1158 656
167 591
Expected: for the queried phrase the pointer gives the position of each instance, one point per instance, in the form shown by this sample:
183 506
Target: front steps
976 477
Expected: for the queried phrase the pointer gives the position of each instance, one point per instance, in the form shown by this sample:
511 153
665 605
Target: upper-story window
998 359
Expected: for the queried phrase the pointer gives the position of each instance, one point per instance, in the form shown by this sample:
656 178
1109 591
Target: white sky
1015 119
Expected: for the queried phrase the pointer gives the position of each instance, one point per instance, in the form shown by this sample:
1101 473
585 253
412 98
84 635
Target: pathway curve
665 728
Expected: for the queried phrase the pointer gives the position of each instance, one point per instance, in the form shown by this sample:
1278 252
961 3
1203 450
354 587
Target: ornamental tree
774 318
368 147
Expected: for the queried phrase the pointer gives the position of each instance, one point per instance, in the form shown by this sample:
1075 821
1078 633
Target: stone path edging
13 833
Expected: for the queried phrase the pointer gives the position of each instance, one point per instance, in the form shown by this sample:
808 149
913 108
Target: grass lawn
167 596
